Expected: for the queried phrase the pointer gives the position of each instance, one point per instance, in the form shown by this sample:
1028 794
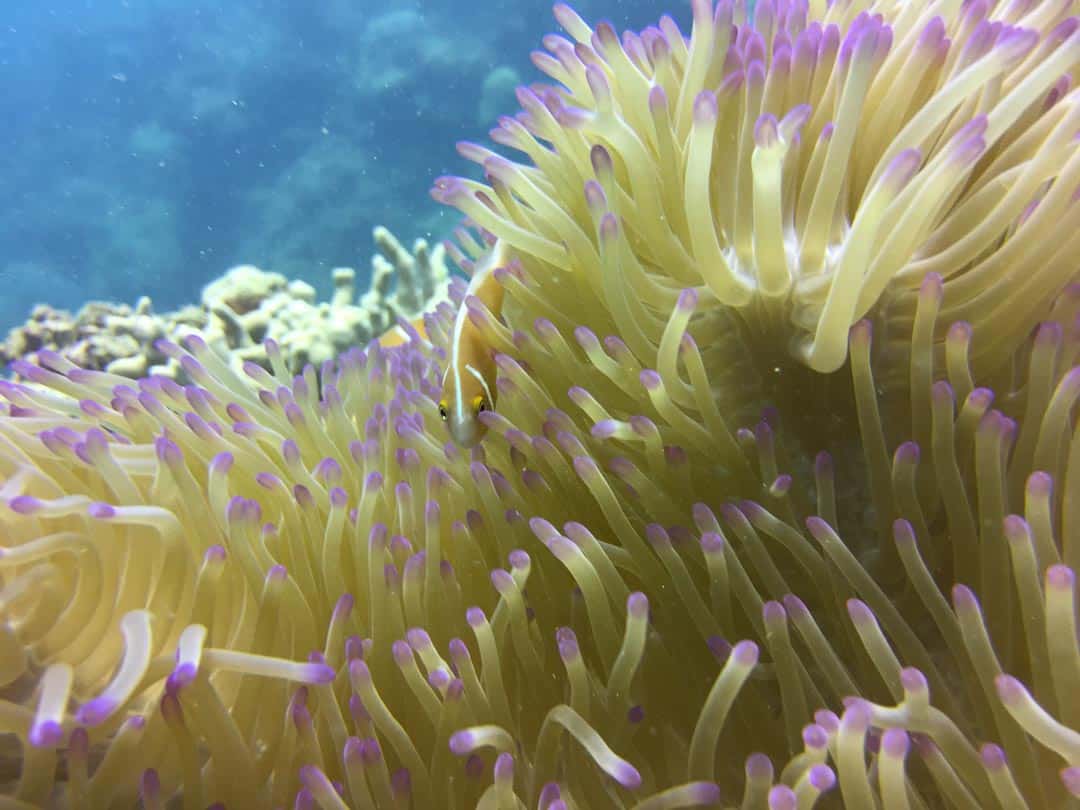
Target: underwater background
744 469
149 145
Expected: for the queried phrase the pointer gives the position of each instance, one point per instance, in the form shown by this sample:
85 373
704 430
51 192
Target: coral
239 311
250 306
101 336
686 565
498 87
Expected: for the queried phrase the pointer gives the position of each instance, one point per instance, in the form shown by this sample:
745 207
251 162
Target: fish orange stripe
396 336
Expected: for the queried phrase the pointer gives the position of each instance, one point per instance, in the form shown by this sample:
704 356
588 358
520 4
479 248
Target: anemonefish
468 386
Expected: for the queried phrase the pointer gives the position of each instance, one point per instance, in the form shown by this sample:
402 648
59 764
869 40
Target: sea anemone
802 172
779 499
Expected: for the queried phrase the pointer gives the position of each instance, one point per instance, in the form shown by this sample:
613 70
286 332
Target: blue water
149 145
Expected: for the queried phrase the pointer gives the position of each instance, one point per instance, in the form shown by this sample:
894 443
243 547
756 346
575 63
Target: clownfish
468 386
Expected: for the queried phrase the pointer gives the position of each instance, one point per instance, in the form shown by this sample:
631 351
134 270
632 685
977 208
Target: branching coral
239 310
250 306
651 586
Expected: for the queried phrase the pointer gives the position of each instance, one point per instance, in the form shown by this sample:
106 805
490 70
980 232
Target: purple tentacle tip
745 653
993 757
46 734
781 797
321 673
101 511
1060 577
1070 777
895 743
857 716
95 711
24 504
912 680
626 775
344 605
504 766
461 742
650 379
1010 690
184 673
719 647
822 777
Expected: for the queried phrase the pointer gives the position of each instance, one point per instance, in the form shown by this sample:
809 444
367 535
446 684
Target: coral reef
756 522
102 336
239 311
249 306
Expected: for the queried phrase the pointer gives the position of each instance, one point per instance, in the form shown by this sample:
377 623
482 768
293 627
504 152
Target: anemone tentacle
686 565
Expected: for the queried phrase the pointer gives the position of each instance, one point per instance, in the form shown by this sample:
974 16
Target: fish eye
442 411
480 404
